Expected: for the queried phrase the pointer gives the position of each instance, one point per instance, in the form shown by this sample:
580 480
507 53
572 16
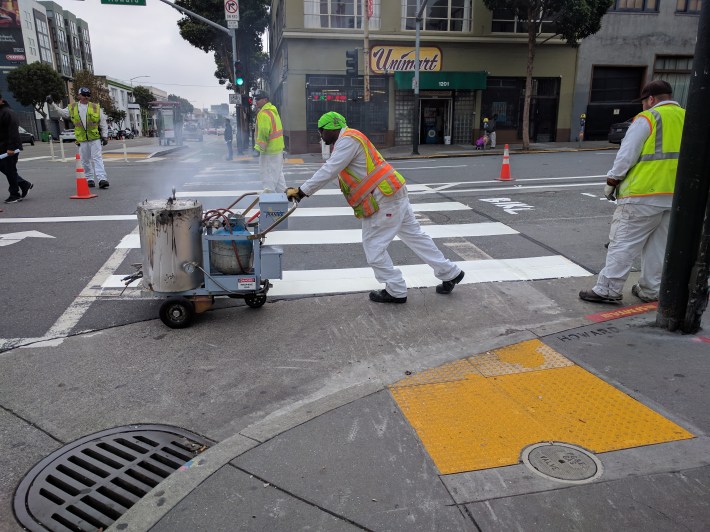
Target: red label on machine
246 283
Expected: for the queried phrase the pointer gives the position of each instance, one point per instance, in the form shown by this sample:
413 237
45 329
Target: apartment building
640 40
472 64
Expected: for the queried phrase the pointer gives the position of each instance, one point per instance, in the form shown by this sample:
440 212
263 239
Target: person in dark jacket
228 138
9 143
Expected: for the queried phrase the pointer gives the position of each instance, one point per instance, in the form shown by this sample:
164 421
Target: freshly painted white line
335 281
57 219
509 188
302 212
235 193
354 236
24 160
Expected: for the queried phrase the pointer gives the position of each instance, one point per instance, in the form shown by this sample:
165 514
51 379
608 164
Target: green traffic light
240 81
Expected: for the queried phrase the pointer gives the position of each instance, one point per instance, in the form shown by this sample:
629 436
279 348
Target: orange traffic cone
505 169
82 185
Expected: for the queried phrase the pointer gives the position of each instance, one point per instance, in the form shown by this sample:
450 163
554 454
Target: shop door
435 120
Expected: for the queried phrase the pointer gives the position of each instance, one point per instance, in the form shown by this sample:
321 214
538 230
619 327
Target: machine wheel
177 313
255 300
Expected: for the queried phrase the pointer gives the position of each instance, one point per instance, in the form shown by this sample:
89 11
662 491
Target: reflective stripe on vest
275 132
380 174
655 171
93 116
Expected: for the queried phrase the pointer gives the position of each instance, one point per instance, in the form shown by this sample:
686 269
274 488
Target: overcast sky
131 41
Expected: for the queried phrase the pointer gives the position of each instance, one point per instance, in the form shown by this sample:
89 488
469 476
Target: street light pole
136 77
143 124
421 4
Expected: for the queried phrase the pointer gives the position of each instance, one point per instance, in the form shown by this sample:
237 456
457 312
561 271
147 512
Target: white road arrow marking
12 238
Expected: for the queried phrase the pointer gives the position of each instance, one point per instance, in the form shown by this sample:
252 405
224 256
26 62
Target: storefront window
440 15
505 21
675 70
344 95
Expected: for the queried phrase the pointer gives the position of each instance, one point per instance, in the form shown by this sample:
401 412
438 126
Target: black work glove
295 194
104 141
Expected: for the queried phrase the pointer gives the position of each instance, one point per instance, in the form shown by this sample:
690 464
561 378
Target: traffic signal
247 101
238 74
351 62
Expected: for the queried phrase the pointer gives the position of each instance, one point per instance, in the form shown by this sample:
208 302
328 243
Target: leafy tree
99 90
30 84
185 106
572 20
254 19
117 116
143 97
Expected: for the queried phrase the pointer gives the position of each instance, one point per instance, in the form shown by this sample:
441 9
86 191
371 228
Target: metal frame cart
191 257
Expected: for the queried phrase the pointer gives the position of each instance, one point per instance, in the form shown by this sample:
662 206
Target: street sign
231 10
235 99
233 24
124 2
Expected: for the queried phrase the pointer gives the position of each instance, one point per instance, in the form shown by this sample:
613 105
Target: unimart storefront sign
388 59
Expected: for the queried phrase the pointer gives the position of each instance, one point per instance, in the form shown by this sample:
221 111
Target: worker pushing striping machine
191 256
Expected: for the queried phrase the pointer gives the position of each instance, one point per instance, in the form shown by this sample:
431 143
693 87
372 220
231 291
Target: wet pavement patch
91 482
481 412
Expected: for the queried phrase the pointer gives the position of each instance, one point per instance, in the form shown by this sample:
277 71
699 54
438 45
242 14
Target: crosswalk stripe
336 281
235 193
354 236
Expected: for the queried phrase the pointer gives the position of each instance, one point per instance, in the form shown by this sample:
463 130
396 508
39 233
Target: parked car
192 132
67 136
618 131
26 136
127 134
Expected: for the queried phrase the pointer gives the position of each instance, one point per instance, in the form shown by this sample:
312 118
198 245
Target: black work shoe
636 290
25 188
591 295
383 296
91 183
103 183
13 199
448 286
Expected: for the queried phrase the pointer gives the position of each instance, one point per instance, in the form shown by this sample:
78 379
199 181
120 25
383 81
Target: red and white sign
15 57
231 10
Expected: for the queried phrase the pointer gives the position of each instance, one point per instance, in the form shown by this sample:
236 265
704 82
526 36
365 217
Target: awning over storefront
442 80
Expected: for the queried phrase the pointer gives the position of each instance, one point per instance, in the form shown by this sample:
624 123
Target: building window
688 6
505 21
675 70
616 84
339 14
635 5
441 15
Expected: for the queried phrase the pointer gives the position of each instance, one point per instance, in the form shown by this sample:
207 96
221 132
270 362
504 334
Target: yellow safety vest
269 131
93 115
380 174
655 172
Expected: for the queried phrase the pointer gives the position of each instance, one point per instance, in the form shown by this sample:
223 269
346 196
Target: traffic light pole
421 4
238 104
684 285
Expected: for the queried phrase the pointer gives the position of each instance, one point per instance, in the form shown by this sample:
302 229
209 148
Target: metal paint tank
232 257
171 236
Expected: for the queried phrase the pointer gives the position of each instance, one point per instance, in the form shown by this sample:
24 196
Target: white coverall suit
639 225
89 150
395 218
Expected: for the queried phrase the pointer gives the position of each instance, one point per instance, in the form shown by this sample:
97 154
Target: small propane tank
232 257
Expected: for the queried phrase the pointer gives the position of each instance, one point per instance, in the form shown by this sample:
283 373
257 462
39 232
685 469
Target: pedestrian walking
9 143
228 138
91 131
492 130
378 195
642 180
269 144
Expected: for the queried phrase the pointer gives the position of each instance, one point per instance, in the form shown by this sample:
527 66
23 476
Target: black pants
8 166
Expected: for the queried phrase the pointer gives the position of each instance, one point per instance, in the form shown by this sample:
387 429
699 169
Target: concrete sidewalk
445 448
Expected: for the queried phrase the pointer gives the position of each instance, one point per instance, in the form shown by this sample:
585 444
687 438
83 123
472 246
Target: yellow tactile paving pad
481 412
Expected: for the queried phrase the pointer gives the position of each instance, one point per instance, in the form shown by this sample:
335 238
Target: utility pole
421 5
684 286
366 46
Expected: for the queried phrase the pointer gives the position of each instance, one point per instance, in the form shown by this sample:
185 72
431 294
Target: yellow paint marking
470 421
294 161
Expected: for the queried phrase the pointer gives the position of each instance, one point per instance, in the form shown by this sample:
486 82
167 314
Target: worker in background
269 144
642 180
228 138
378 195
91 131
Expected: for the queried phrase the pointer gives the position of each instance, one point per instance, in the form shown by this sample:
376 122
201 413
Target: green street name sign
442 80
124 2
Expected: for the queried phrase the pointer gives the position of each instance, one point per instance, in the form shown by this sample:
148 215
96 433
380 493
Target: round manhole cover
562 462
89 483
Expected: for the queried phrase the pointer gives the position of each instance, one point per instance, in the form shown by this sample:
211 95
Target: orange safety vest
380 174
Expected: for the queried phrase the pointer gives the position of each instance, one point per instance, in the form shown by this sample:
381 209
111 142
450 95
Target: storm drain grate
562 462
88 484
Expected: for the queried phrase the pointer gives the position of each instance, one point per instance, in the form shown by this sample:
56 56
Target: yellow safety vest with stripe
655 172
93 115
269 131
380 174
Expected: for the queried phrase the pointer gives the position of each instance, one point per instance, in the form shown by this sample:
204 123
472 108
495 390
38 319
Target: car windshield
22 130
